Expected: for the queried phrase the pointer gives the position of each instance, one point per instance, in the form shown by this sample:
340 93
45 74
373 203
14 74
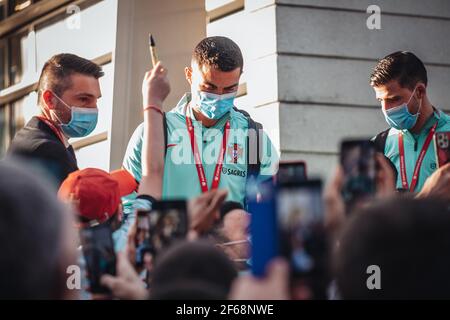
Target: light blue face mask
400 118
82 123
213 106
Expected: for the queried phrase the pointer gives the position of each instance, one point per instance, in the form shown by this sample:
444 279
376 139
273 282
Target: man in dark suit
68 90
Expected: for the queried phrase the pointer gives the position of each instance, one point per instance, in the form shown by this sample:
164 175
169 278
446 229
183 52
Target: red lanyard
419 160
198 160
53 128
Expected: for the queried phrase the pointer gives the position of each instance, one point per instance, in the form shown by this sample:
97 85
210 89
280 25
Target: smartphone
290 172
263 230
168 223
142 238
98 250
303 241
442 147
358 160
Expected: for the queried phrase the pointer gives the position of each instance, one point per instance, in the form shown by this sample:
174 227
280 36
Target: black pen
153 50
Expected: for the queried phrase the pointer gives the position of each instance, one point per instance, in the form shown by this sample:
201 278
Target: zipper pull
415 146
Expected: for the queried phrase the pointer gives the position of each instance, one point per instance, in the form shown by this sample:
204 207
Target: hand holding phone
442 147
303 240
358 160
98 250
290 172
168 222
142 239
204 210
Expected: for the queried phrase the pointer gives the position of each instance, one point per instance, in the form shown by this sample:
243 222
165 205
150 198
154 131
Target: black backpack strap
253 145
380 140
380 144
253 141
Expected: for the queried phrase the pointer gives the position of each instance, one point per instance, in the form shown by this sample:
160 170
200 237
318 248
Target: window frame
36 15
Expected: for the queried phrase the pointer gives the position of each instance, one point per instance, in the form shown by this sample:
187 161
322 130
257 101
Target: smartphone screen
98 251
303 239
442 147
263 230
359 164
291 172
142 238
168 222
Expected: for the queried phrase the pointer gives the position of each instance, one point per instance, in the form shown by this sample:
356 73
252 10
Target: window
80 40
18 53
4 130
2 65
17 120
2 10
22 110
14 116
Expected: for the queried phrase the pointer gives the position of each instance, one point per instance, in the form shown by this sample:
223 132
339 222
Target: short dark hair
402 66
408 239
218 52
55 74
190 270
31 221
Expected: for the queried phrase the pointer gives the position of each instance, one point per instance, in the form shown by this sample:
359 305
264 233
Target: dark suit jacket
37 143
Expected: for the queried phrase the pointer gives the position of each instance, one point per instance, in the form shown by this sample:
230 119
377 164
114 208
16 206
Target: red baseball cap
96 193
